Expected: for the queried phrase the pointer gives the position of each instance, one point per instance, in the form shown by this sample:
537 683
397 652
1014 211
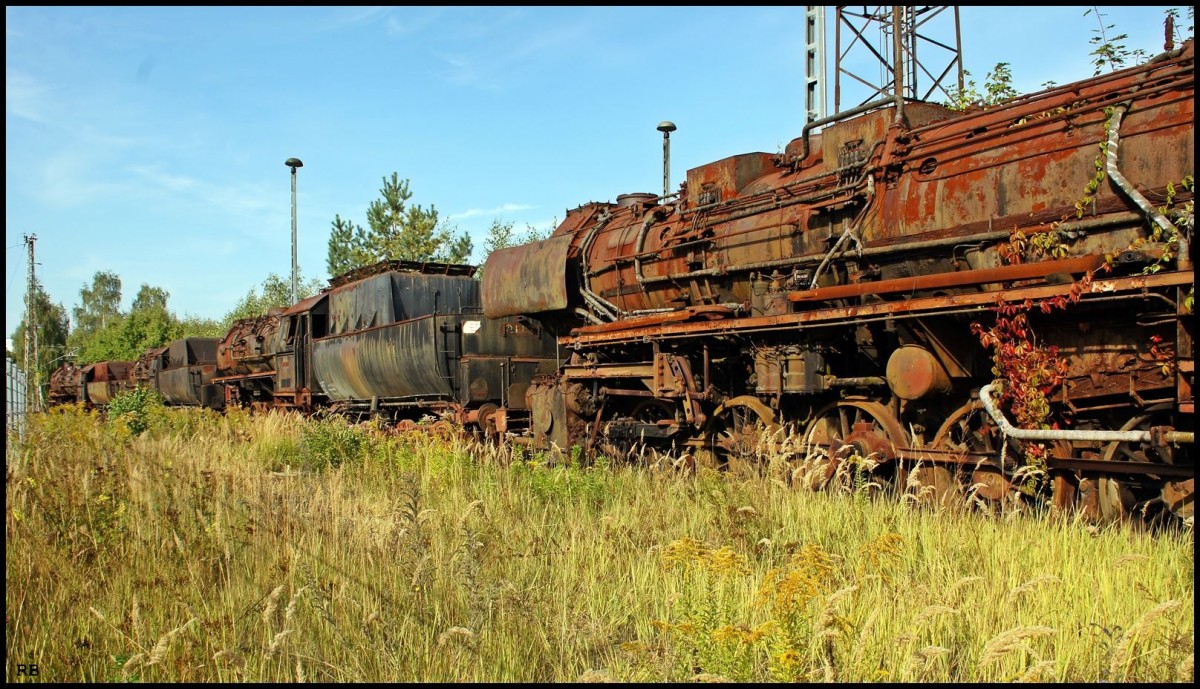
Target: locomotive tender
846 289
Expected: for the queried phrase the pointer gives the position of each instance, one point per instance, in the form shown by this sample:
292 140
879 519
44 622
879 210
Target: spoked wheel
851 438
971 433
1121 497
743 434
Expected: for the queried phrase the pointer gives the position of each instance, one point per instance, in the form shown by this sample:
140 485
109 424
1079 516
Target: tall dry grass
270 548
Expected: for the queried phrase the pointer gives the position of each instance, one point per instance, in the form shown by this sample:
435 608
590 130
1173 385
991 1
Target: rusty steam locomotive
966 298
998 299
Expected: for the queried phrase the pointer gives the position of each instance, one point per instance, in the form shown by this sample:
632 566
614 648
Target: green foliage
396 230
52 323
195 326
568 483
1177 35
429 562
1178 216
276 292
150 298
1110 52
332 441
501 236
136 409
148 325
997 84
124 337
99 307
349 247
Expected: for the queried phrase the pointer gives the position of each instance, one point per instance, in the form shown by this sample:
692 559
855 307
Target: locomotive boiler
960 298
66 384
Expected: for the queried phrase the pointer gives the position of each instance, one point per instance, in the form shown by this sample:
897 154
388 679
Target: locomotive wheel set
995 301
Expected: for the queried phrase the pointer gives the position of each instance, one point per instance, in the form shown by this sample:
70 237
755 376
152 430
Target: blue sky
151 141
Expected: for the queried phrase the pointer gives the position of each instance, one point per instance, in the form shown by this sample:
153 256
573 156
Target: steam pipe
985 396
909 247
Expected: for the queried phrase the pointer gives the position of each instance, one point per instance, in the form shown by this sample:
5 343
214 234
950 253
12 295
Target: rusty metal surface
976 302
1021 271
142 373
65 384
181 369
396 296
953 175
182 386
250 346
192 350
526 279
398 361
305 305
913 372
105 379
893 242
386 266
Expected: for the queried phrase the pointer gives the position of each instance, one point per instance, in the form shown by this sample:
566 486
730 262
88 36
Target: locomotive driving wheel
741 433
851 438
970 433
1121 497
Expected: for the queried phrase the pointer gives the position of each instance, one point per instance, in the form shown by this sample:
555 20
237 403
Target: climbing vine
1028 371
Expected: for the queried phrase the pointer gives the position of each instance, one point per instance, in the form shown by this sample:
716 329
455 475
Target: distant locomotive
93 384
398 339
834 289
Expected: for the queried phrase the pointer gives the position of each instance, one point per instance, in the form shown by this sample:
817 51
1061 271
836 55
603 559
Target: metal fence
15 397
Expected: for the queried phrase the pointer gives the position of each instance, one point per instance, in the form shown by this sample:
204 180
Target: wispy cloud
498 210
359 15
492 58
155 174
23 96
414 20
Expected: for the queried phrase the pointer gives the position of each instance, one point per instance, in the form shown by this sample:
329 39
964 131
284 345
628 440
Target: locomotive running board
834 316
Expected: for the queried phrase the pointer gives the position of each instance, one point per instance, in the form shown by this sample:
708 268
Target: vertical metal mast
814 63
890 50
32 392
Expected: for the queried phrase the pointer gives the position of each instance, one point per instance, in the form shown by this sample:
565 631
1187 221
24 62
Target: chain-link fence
15 397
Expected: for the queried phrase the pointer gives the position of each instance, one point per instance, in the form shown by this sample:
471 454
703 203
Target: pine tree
396 230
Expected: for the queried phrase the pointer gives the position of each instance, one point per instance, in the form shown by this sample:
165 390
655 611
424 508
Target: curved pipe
993 410
1114 142
804 133
603 307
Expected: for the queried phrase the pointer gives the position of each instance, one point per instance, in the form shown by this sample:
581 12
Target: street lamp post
294 163
666 128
